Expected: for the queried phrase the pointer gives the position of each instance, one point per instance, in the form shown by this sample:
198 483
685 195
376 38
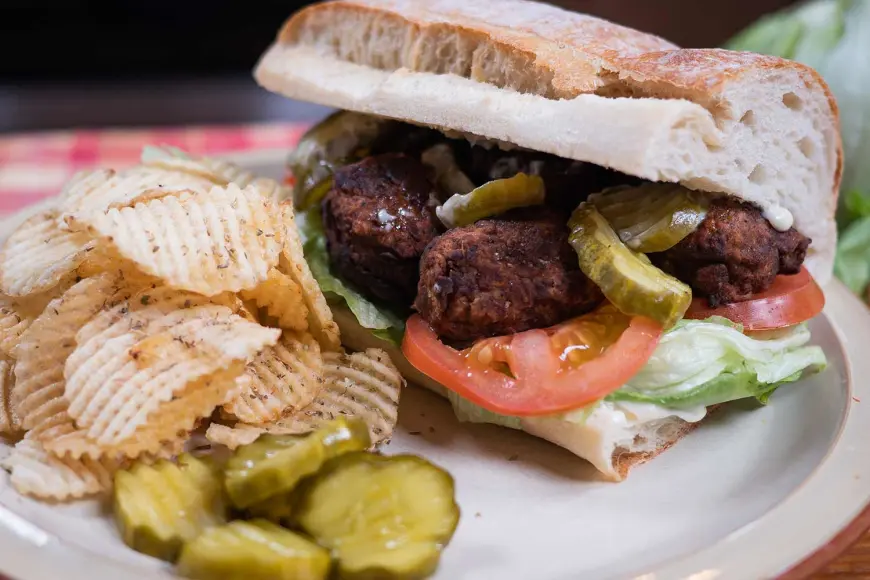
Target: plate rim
841 302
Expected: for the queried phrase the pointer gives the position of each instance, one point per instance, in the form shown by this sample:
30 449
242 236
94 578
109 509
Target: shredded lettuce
468 412
381 321
710 362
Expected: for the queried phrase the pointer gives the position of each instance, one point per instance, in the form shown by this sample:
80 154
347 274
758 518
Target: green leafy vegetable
468 412
711 362
381 321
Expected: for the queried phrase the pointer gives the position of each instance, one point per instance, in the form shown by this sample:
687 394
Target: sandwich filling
537 288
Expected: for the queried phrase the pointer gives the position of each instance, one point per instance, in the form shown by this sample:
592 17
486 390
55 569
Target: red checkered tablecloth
36 165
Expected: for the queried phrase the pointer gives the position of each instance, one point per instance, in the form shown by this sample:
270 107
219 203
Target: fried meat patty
378 219
733 254
501 276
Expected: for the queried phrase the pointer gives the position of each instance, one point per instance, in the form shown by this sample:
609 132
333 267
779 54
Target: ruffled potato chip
363 384
82 202
118 384
284 378
39 254
8 422
36 472
292 263
282 298
233 436
163 436
18 313
37 396
224 240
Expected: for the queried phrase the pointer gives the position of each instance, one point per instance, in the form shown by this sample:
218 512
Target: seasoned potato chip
285 377
36 472
364 384
282 299
233 437
272 189
37 255
125 189
8 423
115 385
143 307
84 183
225 240
320 321
162 436
13 322
18 313
37 396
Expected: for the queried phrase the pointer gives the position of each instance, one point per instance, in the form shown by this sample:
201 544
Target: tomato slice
789 301
544 375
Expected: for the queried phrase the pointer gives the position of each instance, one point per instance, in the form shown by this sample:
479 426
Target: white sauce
780 218
385 217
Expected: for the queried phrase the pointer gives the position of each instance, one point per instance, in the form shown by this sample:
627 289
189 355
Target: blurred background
96 64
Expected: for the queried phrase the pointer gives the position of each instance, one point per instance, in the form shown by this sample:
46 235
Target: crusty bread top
528 46
757 127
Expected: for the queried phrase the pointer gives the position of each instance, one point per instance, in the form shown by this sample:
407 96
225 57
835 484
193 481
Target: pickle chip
382 517
159 507
328 145
628 279
492 198
651 217
274 464
254 550
277 509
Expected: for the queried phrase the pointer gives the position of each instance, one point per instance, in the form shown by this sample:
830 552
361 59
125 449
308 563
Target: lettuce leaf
710 362
383 323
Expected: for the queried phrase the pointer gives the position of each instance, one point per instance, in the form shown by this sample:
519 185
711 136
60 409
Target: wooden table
232 100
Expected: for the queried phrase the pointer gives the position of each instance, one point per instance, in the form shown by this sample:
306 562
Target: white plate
753 493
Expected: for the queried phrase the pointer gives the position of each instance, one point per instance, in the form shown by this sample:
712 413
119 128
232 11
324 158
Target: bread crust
756 127
577 53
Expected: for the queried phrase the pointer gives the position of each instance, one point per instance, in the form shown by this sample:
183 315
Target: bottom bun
612 454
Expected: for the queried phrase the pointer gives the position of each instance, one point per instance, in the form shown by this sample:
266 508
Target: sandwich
563 225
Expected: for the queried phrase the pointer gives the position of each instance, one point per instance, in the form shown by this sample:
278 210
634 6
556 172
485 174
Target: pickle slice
626 278
159 507
492 198
447 173
652 217
274 464
331 143
382 517
253 550
278 509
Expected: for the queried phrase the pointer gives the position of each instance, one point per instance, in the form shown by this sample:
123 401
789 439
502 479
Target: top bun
756 127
